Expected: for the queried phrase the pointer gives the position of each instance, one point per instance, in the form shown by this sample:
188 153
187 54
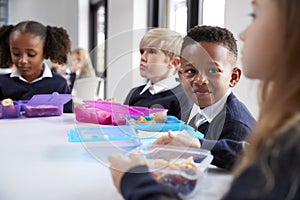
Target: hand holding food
119 164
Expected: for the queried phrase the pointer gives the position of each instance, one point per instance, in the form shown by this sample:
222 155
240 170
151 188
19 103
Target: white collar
211 111
46 73
161 86
5 70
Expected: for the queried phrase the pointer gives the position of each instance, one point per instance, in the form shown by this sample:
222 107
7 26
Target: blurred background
110 30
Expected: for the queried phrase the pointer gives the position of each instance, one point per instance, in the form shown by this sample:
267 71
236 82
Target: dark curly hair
212 34
57 41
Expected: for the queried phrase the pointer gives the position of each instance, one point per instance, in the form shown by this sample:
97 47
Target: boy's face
206 72
27 53
59 68
155 65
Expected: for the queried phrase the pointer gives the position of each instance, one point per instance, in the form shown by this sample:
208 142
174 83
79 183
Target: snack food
8 108
7 102
181 175
158 118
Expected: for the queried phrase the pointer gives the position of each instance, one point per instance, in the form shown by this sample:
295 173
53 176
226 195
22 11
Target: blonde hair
280 94
87 69
164 39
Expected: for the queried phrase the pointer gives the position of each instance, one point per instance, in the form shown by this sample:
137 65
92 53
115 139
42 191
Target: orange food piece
142 119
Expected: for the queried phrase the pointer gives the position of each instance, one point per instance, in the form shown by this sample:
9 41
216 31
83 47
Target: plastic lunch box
177 167
110 113
39 105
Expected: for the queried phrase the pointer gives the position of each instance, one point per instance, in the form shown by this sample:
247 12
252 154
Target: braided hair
56 39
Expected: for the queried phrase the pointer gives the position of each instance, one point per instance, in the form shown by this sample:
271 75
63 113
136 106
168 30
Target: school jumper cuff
225 151
138 184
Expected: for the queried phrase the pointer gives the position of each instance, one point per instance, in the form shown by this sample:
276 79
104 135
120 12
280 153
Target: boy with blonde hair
160 49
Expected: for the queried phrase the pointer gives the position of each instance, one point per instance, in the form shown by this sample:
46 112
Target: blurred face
206 73
75 59
59 68
155 65
27 53
262 45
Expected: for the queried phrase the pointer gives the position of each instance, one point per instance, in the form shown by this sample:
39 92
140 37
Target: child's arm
182 139
225 151
125 170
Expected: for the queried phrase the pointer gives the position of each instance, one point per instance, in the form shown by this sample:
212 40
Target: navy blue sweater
226 133
175 100
17 89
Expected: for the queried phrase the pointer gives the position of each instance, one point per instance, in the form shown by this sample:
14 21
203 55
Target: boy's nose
144 56
200 78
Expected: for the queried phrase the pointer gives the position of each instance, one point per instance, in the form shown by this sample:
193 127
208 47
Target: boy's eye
188 73
142 51
152 51
252 15
213 70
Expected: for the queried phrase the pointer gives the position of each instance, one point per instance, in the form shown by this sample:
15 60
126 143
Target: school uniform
14 86
168 94
227 126
144 187
274 174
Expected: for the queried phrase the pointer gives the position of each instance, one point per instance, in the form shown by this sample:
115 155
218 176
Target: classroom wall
236 19
70 14
126 25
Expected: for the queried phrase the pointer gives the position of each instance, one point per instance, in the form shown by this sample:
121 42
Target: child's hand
181 139
119 164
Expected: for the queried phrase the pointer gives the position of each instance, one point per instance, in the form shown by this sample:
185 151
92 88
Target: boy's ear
235 76
175 62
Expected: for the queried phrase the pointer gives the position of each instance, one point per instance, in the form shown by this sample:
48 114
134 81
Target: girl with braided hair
26 45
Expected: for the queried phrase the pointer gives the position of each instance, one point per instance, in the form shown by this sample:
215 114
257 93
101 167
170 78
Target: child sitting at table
159 63
208 71
81 65
26 45
270 168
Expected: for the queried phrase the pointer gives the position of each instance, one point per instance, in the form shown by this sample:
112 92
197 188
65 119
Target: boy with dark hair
208 71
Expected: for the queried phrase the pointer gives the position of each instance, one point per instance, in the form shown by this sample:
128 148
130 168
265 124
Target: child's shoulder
237 110
5 77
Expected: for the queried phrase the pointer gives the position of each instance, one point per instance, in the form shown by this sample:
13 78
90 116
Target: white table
38 162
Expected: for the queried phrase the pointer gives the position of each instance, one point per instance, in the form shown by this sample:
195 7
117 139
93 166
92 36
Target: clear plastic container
172 123
101 133
150 111
105 136
177 167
